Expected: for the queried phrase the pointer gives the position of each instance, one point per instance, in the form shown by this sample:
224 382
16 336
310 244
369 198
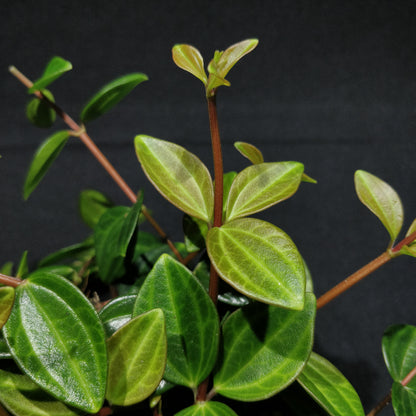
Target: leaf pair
190 59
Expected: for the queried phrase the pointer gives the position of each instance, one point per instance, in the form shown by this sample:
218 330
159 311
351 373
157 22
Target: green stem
96 152
9 281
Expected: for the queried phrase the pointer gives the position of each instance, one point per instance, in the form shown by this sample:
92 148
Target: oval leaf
39 112
47 152
403 400
136 359
399 350
55 68
111 94
6 303
259 260
22 397
187 57
56 337
261 186
191 320
381 199
328 387
250 152
207 409
117 313
178 175
265 349
93 204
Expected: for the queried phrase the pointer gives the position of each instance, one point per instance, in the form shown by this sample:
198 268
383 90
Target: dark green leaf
4 349
261 186
65 271
328 387
54 326
265 349
117 313
399 350
23 268
39 112
110 95
47 152
92 204
191 320
136 359
112 236
22 397
6 303
195 231
178 175
207 409
188 58
403 400
258 260
249 151
381 199
55 68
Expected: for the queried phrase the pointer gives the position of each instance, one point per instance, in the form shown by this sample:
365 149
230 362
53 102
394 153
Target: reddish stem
380 406
88 142
10 281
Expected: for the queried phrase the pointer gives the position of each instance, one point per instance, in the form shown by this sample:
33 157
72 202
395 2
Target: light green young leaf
56 337
381 199
260 186
399 351
55 68
178 175
207 409
117 313
22 397
112 236
39 112
136 359
265 349
258 260
92 204
23 268
110 95
7 268
6 303
328 387
188 58
251 152
403 400
47 152
192 323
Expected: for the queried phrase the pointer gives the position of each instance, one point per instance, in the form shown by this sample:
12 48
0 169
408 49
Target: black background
331 84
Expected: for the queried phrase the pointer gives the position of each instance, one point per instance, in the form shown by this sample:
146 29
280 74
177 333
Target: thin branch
88 142
380 406
10 281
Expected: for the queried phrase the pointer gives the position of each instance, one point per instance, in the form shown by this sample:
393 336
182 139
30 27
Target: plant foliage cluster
228 313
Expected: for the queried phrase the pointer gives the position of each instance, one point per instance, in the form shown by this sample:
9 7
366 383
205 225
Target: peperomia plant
228 314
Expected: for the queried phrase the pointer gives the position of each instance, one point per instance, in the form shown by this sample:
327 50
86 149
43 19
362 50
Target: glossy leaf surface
6 303
399 351
258 260
93 204
328 387
112 236
191 320
22 397
381 199
117 313
403 400
40 112
56 337
265 349
55 68
136 359
261 186
178 175
207 409
251 152
188 58
111 94
47 152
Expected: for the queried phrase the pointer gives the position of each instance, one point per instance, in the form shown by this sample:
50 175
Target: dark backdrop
331 84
